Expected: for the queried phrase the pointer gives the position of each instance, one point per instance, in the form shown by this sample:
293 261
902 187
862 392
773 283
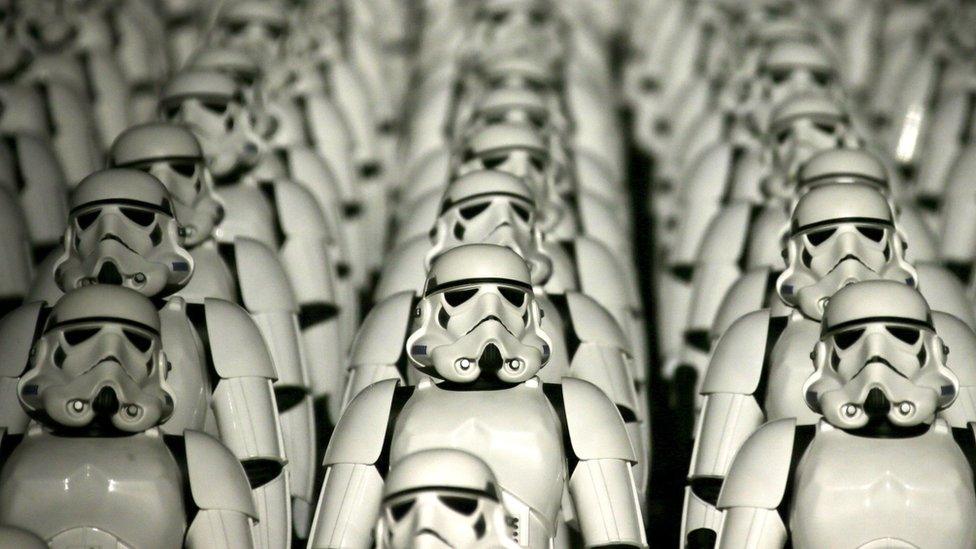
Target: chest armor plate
95 492
211 277
866 492
788 368
188 376
516 431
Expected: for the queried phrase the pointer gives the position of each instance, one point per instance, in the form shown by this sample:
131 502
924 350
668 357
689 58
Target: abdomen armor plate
516 431
94 492
853 491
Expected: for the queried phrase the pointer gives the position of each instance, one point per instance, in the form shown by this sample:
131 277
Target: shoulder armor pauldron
236 345
262 280
737 362
217 480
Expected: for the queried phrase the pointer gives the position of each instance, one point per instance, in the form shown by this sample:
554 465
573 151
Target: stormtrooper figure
284 217
262 29
56 113
59 51
480 336
734 208
881 467
496 208
443 497
122 232
96 387
840 234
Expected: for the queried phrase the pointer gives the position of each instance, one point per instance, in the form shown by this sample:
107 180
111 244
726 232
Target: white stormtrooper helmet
840 234
491 207
527 72
443 498
212 106
99 364
259 27
843 166
514 105
513 148
172 154
879 359
791 66
121 231
802 125
518 27
45 26
234 62
479 321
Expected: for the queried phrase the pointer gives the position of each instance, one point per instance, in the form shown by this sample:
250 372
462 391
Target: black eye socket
173 112
79 335
513 296
822 78
848 338
782 136
457 297
464 505
498 17
86 219
215 106
140 341
400 509
538 121
904 333
186 169
470 212
493 162
817 238
538 18
874 233
275 32
778 76
236 27
537 162
522 212
825 127
143 218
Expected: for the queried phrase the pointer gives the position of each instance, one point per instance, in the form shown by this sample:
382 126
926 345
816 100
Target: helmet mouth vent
109 274
106 403
876 405
491 359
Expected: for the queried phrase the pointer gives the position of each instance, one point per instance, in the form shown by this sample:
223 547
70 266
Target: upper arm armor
760 471
387 319
18 331
737 362
361 431
217 480
403 268
595 427
298 211
236 345
263 282
593 323
601 275
746 295
944 292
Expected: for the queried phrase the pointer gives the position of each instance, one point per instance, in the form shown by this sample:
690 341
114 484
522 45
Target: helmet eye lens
904 334
464 505
79 335
400 509
537 162
874 233
457 297
138 340
186 169
847 338
215 106
86 219
513 296
470 212
521 211
494 162
143 218
817 238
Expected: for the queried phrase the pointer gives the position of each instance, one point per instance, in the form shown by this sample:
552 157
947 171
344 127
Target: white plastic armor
880 394
738 397
16 255
443 496
55 112
483 347
222 385
98 371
